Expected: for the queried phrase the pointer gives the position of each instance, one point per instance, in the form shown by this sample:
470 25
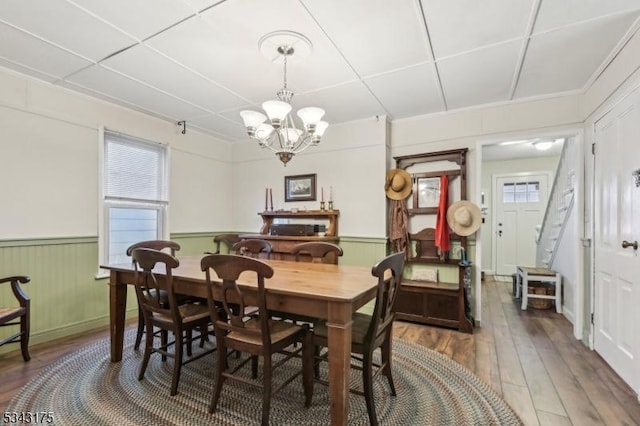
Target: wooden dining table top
338 283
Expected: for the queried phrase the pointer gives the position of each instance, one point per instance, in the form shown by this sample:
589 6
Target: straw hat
464 217
398 184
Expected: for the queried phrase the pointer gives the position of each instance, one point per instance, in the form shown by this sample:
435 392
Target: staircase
559 206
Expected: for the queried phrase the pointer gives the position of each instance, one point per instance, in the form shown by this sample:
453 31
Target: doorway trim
476 191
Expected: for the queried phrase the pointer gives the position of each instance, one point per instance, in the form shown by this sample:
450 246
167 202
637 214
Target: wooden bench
433 302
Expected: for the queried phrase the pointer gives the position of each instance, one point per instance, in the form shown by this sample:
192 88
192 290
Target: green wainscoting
67 298
362 251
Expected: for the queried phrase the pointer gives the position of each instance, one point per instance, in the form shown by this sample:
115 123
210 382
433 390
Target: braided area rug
86 388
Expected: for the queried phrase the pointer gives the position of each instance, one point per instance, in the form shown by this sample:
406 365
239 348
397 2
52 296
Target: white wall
49 163
350 158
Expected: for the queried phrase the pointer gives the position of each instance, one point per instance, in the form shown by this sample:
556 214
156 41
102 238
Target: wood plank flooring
529 357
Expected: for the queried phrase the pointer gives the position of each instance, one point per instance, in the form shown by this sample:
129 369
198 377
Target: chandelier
277 131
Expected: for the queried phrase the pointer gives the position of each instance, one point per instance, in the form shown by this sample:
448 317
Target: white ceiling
199 61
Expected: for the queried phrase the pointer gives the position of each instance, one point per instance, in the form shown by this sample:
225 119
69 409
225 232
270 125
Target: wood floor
528 357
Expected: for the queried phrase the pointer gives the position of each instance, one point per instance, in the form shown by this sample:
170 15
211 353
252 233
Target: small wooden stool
524 275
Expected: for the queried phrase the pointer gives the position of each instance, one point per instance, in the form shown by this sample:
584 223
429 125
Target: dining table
324 291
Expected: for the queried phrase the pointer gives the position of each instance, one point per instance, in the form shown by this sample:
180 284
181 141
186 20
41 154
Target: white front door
520 204
617 219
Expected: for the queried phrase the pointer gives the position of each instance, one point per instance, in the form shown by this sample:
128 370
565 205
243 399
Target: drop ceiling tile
223 46
489 81
114 85
199 5
125 14
347 102
30 52
459 26
555 14
392 35
145 64
229 130
565 59
408 92
65 25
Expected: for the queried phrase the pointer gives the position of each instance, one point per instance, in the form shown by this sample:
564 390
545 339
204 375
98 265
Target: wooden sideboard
282 244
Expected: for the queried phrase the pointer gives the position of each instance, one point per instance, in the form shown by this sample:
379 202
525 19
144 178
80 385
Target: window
521 192
134 194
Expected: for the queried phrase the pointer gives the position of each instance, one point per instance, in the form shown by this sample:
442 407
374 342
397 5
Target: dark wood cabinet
282 244
437 303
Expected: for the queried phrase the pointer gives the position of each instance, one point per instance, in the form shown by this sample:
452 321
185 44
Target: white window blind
135 170
135 193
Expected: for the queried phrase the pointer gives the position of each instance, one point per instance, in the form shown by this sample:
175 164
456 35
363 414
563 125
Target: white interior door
617 219
520 204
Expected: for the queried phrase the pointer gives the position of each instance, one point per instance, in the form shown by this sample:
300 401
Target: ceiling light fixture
542 145
279 132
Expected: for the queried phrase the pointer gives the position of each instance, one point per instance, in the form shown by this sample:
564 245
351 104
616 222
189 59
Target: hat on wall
464 217
398 184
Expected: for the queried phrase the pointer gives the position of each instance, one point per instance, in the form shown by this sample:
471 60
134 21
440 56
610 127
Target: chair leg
147 351
254 366
189 341
386 360
367 381
24 336
220 368
164 340
266 390
136 346
177 362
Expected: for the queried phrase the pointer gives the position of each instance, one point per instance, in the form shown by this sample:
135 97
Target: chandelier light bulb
310 116
277 111
252 119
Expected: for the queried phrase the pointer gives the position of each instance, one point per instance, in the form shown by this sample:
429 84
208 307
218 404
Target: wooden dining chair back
228 239
17 315
317 252
154 287
167 245
258 336
370 332
252 247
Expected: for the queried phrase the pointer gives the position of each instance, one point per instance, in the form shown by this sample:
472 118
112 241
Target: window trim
105 202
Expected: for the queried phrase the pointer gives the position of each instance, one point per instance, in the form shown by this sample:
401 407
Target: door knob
627 244
500 233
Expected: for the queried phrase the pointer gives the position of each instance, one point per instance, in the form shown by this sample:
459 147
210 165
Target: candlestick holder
321 205
330 205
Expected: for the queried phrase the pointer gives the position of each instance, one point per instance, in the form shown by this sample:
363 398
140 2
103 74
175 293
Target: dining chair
317 251
18 315
172 246
176 318
259 336
252 247
370 332
228 239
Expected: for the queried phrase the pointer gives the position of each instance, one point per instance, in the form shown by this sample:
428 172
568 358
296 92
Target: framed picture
428 192
300 188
